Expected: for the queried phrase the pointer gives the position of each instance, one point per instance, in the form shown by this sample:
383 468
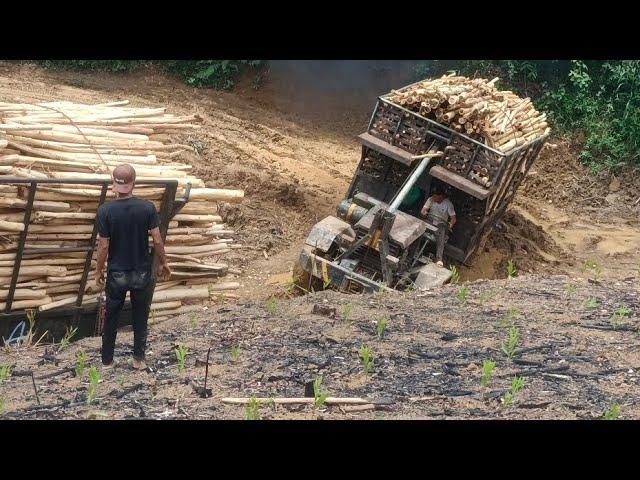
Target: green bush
600 98
99 65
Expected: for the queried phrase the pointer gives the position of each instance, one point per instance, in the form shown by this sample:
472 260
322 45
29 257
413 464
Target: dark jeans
118 284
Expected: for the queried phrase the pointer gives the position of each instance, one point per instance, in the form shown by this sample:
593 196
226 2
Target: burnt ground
426 365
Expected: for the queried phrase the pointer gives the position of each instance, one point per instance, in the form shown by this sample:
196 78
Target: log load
477 108
65 140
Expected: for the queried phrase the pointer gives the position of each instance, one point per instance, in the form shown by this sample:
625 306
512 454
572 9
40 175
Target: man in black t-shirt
124 225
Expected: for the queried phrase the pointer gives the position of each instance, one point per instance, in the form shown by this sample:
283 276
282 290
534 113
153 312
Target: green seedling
252 409
5 371
381 324
94 378
121 381
462 294
153 315
569 289
3 403
487 369
516 385
346 312
507 319
590 303
619 316
587 264
81 358
511 269
511 342
70 333
364 353
319 395
272 304
154 391
326 284
31 317
293 283
192 320
455 274
234 352
181 355
613 413
597 273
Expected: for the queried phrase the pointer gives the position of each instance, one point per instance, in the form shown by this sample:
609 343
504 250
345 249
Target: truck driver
439 212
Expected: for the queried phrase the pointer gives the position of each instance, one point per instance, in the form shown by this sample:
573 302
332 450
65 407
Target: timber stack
476 108
64 140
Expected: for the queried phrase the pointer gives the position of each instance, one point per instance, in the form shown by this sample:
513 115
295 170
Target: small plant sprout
272 305
326 284
511 342
3 402
81 358
597 273
455 274
121 381
181 355
293 283
507 319
569 289
31 317
364 353
5 370
587 264
511 269
462 294
619 316
590 303
153 315
487 369
381 324
94 378
346 312
234 352
516 385
70 333
612 413
193 322
252 409
319 395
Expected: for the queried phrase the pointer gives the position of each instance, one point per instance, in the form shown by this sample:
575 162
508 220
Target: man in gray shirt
440 212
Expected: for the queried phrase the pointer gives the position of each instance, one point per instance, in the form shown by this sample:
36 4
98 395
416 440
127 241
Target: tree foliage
599 98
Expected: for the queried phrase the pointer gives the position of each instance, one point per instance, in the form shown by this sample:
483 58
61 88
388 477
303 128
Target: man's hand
450 225
164 272
100 278
423 212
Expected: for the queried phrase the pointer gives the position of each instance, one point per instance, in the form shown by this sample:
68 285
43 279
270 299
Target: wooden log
177 293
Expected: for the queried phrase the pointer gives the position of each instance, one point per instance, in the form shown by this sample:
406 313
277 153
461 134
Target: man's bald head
124 176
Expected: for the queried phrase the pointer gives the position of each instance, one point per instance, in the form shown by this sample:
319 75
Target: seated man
439 212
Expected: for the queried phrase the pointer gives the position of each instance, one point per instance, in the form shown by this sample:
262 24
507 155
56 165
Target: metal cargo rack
81 316
404 136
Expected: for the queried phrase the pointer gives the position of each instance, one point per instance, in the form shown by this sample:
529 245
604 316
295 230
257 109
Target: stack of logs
63 140
476 108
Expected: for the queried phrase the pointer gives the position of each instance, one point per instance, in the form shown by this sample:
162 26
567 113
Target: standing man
124 225
439 212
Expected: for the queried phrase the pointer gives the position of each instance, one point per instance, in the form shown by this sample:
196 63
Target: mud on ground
427 364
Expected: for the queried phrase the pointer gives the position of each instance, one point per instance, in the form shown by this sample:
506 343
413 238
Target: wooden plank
388 150
459 182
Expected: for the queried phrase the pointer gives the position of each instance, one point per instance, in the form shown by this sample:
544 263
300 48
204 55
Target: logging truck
376 241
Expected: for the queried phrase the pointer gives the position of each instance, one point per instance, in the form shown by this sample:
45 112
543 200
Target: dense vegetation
220 74
598 99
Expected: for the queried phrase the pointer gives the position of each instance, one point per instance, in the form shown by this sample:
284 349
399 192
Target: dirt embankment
576 358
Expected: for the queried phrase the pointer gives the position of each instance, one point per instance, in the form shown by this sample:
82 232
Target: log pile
64 140
476 108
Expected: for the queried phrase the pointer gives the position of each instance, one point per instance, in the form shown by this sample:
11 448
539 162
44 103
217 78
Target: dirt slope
295 161
426 365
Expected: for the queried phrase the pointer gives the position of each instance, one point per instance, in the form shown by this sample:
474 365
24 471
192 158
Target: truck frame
374 242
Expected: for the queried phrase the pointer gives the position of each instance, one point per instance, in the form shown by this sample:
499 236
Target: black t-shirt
126 223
